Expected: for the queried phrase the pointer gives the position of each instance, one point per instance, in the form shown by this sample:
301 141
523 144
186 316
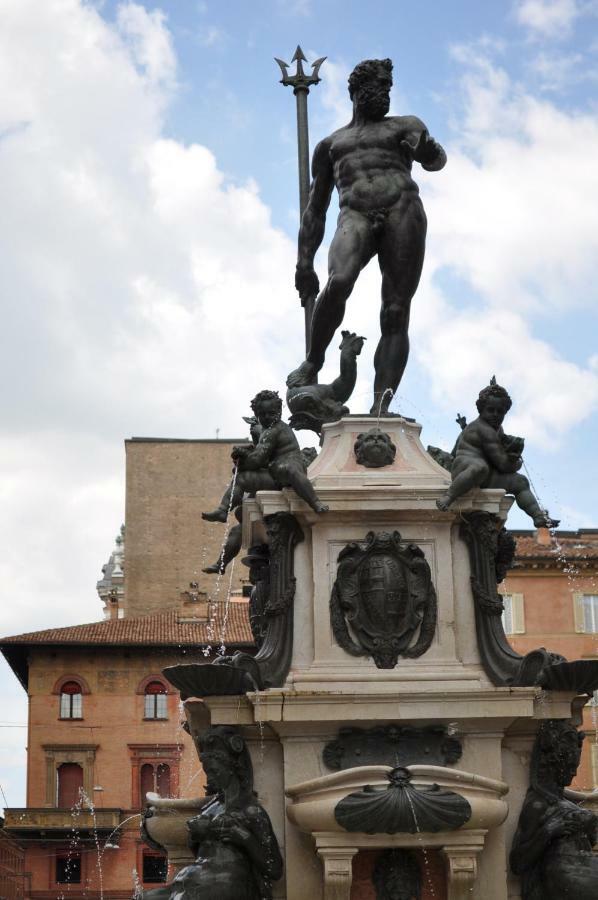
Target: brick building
104 724
551 600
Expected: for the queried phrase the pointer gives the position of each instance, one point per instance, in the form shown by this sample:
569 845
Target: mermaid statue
236 852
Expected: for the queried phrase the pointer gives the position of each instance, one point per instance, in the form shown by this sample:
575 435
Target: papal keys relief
383 602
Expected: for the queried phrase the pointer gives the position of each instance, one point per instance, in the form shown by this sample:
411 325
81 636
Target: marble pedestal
288 727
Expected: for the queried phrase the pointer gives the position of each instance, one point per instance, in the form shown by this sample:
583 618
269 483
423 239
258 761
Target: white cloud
149 40
548 18
512 227
140 282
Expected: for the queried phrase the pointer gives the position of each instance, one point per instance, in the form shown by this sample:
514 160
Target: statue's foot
321 508
217 515
544 521
443 503
214 569
306 374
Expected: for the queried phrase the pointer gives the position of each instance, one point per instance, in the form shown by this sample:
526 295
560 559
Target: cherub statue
484 456
552 847
313 404
275 461
237 854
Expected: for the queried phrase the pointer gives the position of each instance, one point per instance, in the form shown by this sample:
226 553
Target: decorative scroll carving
384 592
390 745
491 550
402 807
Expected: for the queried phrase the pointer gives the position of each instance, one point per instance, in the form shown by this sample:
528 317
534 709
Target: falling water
423 848
224 625
83 798
213 599
137 886
384 393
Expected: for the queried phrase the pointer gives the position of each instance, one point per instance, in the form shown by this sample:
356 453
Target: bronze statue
552 847
237 854
273 463
313 404
374 449
484 456
369 161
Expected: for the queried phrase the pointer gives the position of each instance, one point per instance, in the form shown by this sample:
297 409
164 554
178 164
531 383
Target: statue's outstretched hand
427 151
306 282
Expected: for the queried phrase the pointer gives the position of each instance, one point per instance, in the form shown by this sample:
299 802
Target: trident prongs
300 81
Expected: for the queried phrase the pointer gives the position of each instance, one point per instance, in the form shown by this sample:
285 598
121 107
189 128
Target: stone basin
167 825
313 803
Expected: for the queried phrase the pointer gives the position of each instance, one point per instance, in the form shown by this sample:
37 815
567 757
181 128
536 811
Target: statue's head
369 87
557 752
374 449
493 403
224 757
267 406
397 876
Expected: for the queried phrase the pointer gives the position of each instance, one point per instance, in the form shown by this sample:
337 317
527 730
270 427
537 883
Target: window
154 769
585 608
71 701
513 619
155 701
69 785
155 867
154 779
68 868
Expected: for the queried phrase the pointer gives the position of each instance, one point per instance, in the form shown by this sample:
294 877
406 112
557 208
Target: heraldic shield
383 595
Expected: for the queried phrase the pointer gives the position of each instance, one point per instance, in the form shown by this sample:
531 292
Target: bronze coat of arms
383 602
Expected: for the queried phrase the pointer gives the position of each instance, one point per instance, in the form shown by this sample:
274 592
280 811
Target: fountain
382 661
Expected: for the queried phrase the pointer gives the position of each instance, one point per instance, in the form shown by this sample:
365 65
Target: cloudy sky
148 236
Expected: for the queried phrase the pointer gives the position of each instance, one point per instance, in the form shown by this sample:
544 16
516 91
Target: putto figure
369 161
484 456
275 461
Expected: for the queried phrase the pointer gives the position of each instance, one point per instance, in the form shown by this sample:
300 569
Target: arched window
154 779
155 701
69 785
71 700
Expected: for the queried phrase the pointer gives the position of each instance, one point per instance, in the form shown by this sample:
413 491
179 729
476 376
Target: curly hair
264 397
493 390
367 70
549 759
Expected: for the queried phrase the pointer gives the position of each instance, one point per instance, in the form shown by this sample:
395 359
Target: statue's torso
371 170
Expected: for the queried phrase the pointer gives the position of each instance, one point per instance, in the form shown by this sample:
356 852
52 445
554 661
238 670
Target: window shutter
518 613
578 613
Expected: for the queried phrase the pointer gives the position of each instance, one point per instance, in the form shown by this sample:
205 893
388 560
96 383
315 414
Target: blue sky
149 184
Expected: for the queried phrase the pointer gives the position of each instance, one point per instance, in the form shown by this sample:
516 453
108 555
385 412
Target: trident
301 83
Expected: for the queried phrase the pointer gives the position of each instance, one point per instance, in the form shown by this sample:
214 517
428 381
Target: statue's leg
231 549
230 500
298 480
401 257
351 249
518 485
466 474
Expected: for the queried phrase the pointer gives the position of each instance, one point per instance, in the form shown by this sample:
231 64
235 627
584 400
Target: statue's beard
373 103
